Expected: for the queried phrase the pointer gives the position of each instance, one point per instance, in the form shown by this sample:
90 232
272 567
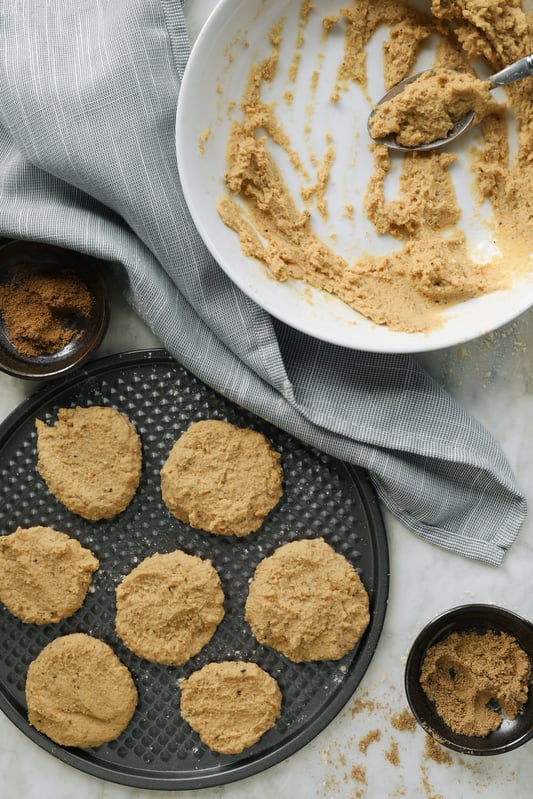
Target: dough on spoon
79 693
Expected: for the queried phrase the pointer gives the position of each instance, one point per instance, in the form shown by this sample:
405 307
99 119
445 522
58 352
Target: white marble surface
493 378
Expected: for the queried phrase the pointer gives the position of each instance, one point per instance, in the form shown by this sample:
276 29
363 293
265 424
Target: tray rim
226 773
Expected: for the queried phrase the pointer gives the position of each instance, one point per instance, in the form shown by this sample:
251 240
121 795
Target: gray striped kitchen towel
88 94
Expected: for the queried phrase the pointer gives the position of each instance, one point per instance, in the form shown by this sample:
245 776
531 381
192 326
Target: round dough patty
230 705
221 478
91 460
79 693
44 574
169 607
307 602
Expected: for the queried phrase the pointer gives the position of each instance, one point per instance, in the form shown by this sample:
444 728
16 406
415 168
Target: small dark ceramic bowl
89 330
479 618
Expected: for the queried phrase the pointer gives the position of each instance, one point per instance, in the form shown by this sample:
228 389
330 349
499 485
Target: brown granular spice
403 721
476 678
433 751
40 309
359 774
370 737
364 705
392 754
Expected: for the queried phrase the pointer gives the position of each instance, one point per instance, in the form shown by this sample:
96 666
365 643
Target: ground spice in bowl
40 309
476 680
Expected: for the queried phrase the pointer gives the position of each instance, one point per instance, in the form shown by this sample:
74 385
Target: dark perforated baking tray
322 497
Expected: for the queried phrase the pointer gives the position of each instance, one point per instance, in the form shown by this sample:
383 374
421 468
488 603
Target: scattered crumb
204 136
433 751
349 211
392 754
358 774
427 785
330 22
362 705
403 721
370 737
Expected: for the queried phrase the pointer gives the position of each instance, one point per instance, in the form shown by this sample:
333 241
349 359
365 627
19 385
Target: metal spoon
520 69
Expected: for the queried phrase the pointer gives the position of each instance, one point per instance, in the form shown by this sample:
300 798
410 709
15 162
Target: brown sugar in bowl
54 309
463 619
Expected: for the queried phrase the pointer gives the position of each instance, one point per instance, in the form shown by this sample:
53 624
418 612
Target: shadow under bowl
478 618
88 330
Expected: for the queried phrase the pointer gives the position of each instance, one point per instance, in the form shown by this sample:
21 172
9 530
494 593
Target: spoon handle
520 69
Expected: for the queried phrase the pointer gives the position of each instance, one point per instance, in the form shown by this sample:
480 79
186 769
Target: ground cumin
475 679
40 309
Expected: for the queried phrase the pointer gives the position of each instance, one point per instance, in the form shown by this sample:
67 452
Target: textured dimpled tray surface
322 497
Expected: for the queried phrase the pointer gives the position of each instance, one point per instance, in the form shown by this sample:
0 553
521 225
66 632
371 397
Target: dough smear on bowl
428 108
169 607
230 705
79 693
276 202
221 478
91 460
307 602
44 574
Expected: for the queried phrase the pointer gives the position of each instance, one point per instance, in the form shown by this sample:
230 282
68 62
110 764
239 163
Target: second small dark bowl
90 330
512 733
